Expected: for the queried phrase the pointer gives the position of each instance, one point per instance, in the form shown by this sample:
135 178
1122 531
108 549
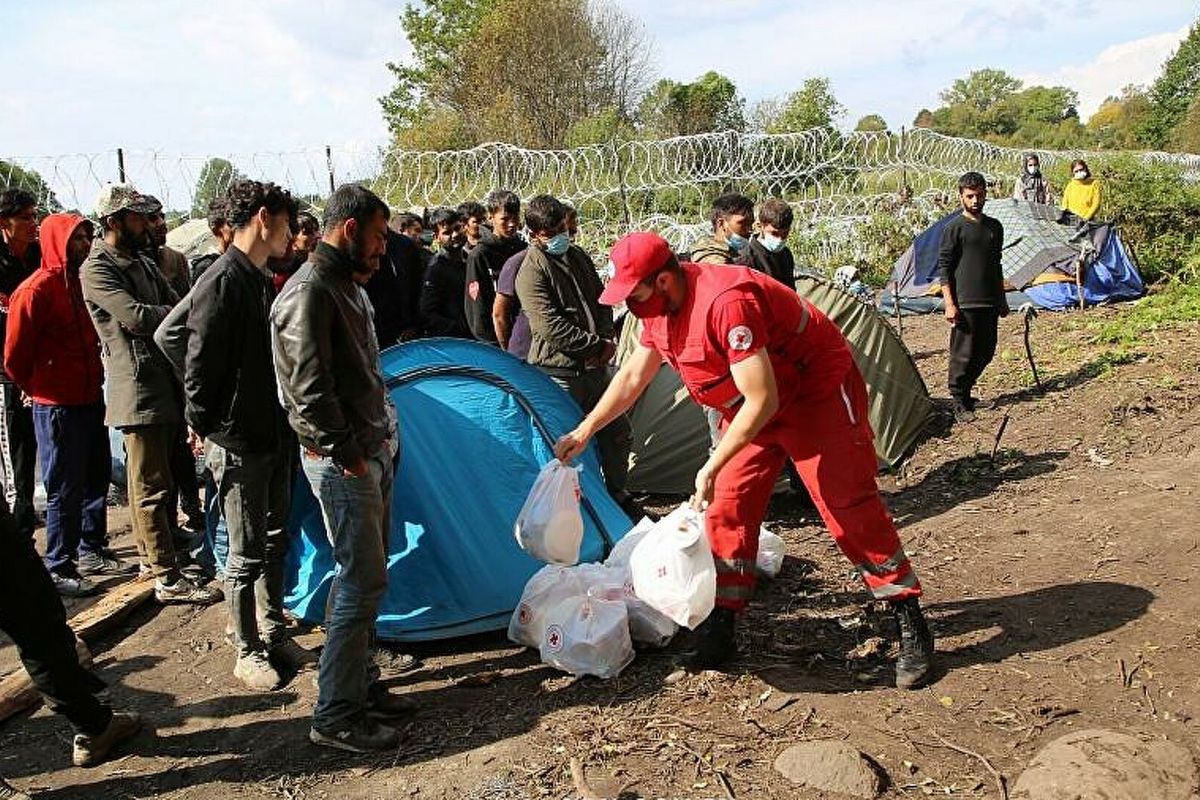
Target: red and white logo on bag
740 337
524 614
554 638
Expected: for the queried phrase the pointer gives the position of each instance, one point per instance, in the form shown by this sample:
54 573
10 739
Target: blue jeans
256 493
357 515
211 550
73 448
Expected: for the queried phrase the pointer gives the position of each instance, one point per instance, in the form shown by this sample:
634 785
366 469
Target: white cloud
1136 62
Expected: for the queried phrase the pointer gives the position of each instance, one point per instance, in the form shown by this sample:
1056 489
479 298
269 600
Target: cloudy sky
231 76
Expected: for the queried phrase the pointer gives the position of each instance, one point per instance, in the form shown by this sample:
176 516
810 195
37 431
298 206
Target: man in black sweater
446 278
973 289
486 260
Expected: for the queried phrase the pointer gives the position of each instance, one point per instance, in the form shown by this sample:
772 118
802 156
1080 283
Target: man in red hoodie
52 352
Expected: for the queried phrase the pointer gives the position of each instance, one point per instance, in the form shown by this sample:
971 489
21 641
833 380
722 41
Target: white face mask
1080 174
772 244
1031 169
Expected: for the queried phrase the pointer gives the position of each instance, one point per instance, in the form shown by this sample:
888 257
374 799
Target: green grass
1177 304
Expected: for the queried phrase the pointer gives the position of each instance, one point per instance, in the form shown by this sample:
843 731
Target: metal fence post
329 166
121 165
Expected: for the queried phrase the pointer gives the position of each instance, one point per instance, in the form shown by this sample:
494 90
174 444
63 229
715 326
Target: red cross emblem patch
740 338
554 638
524 615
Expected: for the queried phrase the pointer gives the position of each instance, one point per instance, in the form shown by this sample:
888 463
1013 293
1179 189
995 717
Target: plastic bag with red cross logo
550 525
771 551
549 587
588 635
646 625
673 570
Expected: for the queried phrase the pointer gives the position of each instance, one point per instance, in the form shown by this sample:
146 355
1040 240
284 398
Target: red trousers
831 443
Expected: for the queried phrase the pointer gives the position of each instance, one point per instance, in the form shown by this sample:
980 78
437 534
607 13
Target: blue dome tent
476 426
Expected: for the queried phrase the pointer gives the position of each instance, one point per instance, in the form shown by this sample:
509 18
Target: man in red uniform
783 378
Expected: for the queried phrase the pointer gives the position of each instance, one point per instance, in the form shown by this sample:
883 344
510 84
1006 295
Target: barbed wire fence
835 182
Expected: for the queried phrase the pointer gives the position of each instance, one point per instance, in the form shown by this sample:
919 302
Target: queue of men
264 360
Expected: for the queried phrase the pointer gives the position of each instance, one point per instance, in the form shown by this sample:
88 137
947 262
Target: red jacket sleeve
19 337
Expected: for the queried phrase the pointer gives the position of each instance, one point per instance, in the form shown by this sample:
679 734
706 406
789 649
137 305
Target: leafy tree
607 126
811 106
13 176
924 119
872 123
1173 92
215 177
981 90
1186 137
436 30
1115 125
710 103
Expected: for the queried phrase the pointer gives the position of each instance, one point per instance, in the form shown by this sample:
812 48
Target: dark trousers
187 485
18 452
972 346
615 439
32 615
76 466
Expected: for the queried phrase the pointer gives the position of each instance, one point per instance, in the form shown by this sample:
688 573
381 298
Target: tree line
477 74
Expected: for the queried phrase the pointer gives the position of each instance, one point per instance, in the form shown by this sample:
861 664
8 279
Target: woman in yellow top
1082 194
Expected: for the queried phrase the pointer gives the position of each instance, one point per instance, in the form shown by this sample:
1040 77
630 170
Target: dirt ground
1060 581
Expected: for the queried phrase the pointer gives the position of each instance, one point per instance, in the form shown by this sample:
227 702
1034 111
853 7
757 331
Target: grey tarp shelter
670 434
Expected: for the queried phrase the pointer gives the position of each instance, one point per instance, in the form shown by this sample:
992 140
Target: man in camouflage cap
127 298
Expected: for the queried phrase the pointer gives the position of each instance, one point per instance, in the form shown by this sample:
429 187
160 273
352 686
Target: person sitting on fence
768 251
442 311
473 214
222 231
485 261
1081 196
732 218
1031 185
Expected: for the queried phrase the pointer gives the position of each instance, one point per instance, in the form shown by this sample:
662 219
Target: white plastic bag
646 625
623 549
673 570
549 587
771 551
588 635
550 525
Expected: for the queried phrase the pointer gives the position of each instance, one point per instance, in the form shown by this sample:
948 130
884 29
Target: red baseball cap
634 257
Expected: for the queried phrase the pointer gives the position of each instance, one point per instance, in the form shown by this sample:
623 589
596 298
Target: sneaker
185 591
10 792
293 656
91 750
255 671
914 665
73 585
963 414
364 736
382 704
104 562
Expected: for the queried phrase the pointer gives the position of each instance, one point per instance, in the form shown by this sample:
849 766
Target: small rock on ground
831 766
1106 765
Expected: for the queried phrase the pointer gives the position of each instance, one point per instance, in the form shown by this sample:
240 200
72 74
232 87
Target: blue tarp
1110 278
476 426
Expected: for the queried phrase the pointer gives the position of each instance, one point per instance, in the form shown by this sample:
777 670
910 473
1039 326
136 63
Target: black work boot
715 641
916 644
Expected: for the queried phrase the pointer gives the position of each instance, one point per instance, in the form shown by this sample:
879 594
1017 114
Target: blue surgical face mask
558 244
772 244
737 242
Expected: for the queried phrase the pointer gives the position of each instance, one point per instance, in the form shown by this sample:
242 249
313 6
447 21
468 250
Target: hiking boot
91 750
962 413
185 591
254 670
104 562
916 644
363 736
715 641
73 585
382 704
292 656
10 792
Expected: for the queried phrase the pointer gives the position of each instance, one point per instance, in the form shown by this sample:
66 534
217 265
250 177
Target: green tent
670 434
